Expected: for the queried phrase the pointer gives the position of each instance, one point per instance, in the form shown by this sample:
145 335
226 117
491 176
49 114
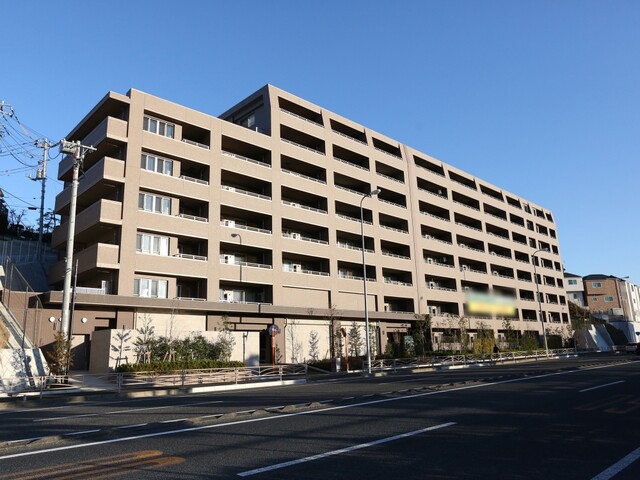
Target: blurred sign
491 304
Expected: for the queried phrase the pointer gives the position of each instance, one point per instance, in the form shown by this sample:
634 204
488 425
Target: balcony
103 213
96 183
96 256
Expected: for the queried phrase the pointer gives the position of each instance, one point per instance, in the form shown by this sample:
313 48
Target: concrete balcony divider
106 169
98 255
110 127
101 212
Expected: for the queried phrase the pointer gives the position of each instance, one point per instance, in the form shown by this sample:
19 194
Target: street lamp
535 278
364 276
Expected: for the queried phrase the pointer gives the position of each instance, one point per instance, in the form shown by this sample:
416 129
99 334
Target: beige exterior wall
268 214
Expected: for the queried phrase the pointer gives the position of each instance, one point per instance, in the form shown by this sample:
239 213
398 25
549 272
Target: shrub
166 367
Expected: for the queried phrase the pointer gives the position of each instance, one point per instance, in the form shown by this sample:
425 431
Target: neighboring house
575 289
259 217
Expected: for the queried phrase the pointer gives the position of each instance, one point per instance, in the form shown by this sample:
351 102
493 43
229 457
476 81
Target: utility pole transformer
78 151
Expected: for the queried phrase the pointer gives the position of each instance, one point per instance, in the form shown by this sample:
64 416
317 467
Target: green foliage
159 366
421 333
355 339
485 340
59 355
528 342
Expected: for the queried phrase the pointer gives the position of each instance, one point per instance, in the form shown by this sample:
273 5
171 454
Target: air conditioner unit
495 273
296 235
462 245
434 310
229 223
387 307
227 296
427 236
432 284
465 268
467 289
493 253
297 267
230 259
429 260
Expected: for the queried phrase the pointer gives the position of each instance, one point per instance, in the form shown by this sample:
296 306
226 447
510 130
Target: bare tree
296 347
314 353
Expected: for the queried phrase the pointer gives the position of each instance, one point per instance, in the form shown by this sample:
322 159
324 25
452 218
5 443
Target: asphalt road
573 418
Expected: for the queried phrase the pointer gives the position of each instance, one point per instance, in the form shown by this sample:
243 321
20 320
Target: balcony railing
291 142
195 180
304 207
246 159
197 144
245 227
296 174
244 192
351 163
193 217
391 178
301 117
191 257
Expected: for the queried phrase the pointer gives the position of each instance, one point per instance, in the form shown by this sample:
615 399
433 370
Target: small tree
225 345
335 338
60 354
296 346
355 339
314 352
485 340
122 347
421 332
145 342
510 334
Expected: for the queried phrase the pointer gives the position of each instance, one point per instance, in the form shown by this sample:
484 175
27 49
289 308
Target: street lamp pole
535 278
364 276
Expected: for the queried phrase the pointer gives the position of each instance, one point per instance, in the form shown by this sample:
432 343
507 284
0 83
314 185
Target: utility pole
41 175
78 151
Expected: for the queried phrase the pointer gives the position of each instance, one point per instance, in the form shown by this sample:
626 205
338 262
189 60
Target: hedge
180 365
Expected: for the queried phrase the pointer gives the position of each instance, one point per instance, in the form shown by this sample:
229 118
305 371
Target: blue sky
541 98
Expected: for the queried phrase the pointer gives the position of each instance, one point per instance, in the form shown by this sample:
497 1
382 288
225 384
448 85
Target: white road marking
296 414
342 450
618 466
600 386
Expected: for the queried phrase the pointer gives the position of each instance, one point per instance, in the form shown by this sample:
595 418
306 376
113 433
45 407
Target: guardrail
120 382
462 359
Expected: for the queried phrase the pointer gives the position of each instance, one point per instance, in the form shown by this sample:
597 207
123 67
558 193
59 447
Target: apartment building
612 298
259 217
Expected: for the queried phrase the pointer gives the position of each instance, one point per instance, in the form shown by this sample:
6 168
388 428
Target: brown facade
255 217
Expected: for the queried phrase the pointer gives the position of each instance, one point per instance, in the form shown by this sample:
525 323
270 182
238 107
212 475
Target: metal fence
122 382
465 359
23 304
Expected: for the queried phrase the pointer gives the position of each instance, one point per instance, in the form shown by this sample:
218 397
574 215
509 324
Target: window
608 298
573 282
154 203
157 164
153 244
596 284
159 127
594 299
147 287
